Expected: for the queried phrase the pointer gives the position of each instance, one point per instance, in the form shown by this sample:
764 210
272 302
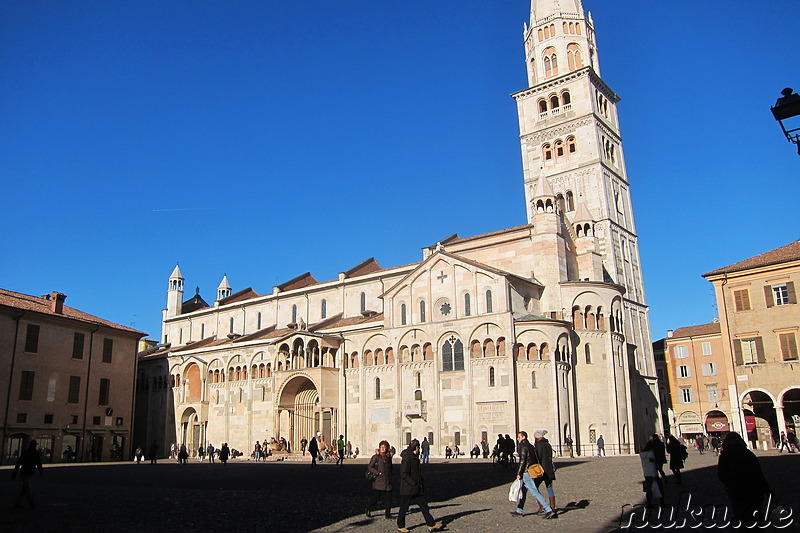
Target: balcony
415 409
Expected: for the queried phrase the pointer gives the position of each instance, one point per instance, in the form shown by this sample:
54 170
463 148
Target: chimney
670 333
57 302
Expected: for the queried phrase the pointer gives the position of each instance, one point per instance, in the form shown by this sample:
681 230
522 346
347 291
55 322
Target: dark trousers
340 460
26 492
421 501
386 496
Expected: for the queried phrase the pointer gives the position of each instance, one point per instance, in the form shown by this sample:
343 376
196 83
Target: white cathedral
540 326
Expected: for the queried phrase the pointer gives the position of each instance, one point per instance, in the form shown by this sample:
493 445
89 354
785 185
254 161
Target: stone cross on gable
441 277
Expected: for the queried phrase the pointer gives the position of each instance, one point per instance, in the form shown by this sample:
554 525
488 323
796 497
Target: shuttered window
788 342
749 351
105 385
74 389
741 299
77 345
108 349
32 339
26 385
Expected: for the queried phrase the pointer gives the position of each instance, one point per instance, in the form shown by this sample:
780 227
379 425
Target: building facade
69 380
698 379
543 325
759 318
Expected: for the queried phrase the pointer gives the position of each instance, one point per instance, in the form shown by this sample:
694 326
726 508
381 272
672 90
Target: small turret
224 289
175 292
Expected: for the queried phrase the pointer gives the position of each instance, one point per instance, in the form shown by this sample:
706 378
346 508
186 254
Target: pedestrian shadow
574 506
447 519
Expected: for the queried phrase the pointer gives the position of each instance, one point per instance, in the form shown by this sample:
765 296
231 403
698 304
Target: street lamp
788 106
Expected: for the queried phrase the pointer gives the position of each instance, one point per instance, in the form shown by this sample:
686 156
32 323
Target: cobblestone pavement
467 495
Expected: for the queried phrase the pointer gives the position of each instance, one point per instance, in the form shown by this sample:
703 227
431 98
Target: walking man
791 438
303 444
29 461
527 458
340 449
425 446
210 451
411 489
601 447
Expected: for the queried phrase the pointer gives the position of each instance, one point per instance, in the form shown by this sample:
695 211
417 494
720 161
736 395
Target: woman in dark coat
381 466
411 489
224 453
740 472
677 455
313 451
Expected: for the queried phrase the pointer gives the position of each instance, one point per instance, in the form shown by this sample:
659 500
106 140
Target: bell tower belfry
570 135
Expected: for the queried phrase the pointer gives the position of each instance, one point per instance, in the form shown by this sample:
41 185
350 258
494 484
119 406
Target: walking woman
740 472
381 466
677 455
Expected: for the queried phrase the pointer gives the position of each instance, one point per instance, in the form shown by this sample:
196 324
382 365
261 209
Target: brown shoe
436 527
403 530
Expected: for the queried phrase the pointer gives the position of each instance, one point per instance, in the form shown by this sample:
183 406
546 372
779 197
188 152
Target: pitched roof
454 238
176 273
193 304
42 305
301 281
694 331
354 321
368 266
790 252
244 294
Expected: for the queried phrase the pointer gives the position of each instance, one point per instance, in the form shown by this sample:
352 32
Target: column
781 420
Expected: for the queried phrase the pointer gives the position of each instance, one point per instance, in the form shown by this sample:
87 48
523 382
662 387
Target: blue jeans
531 487
425 456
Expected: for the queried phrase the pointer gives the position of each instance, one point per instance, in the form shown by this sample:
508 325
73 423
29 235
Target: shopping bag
515 492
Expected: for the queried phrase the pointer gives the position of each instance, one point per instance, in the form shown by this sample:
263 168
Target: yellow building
759 319
698 381
69 380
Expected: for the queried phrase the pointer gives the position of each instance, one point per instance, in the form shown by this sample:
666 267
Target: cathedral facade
540 326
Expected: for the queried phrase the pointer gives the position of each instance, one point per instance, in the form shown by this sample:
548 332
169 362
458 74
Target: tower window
565 98
571 146
491 376
542 106
547 152
588 354
559 146
570 198
574 59
554 102
377 388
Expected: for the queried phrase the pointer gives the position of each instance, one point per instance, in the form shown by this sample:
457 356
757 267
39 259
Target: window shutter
790 290
760 350
737 352
768 296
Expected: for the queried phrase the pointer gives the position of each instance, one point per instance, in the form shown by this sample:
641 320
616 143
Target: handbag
535 470
370 476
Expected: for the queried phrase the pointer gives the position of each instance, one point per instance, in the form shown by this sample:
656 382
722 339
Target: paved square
468 495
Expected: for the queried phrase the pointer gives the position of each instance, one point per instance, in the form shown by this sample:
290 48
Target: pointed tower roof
582 214
543 189
541 9
176 274
224 283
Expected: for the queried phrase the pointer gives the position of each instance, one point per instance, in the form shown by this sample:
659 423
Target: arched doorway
717 422
761 422
791 409
298 411
190 430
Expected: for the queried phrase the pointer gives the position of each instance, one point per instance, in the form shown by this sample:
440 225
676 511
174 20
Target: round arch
298 408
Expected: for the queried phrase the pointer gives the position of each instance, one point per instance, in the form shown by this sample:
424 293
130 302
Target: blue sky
266 139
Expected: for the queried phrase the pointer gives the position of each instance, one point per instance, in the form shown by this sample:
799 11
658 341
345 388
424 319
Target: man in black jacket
528 457
411 489
29 461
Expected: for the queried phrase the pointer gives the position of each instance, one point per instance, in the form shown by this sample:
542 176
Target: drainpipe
735 406
86 394
8 394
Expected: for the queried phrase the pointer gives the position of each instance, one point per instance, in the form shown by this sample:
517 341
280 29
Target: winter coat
382 469
410 476
313 447
659 452
740 472
545 452
677 454
527 456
